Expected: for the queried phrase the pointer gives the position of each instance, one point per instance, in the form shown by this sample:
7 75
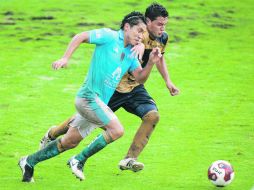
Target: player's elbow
81 37
141 80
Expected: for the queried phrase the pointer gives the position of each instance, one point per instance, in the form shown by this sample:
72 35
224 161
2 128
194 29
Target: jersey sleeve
135 64
101 36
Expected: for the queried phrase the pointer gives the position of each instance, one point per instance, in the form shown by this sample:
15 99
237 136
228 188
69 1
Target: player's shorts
92 113
137 102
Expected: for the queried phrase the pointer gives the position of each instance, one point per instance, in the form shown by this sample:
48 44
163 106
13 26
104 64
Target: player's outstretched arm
73 45
140 74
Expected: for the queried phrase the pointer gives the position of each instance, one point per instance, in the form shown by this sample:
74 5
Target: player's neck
151 36
126 42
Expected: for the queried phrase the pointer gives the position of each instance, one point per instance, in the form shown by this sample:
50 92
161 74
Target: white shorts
92 113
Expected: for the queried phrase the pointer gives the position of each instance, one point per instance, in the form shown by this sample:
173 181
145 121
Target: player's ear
127 27
148 21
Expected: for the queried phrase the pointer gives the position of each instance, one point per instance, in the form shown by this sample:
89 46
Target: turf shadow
8 13
194 34
90 24
43 18
175 39
222 25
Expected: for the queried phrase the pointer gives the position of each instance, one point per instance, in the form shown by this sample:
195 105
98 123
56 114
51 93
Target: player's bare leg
60 129
140 140
54 132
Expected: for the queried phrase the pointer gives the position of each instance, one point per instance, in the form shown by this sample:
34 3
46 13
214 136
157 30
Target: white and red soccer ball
221 173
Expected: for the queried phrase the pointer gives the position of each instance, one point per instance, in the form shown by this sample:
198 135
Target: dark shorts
137 102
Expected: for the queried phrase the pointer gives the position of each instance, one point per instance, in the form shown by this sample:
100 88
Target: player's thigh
140 103
83 126
143 109
94 114
95 111
118 100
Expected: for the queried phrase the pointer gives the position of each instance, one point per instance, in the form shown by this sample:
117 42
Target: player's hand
138 51
61 63
155 56
172 89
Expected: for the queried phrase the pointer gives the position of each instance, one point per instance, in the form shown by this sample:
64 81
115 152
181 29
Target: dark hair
133 18
155 10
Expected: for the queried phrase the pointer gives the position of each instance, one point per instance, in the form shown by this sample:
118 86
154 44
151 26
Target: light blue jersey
110 61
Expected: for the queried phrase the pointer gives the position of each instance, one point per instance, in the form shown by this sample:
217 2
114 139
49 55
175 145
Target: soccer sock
98 144
60 129
143 134
48 152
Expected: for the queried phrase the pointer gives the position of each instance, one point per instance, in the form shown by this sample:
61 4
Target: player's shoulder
109 31
106 31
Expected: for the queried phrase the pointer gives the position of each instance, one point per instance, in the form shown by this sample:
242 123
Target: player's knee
115 129
72 144
117 132
152 117
120 132
69 144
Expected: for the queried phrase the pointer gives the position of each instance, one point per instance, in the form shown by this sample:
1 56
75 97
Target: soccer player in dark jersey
133 96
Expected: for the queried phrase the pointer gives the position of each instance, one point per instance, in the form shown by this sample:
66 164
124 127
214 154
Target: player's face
157 26
134 34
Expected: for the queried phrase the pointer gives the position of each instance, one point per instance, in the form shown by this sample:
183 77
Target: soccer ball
221 173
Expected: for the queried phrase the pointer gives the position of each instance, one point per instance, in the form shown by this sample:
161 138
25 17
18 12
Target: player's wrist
168 82
65 58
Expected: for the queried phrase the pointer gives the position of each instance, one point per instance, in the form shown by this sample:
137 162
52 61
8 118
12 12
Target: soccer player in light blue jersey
132 96
112 58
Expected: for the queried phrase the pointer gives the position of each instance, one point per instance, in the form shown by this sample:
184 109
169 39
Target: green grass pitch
210 58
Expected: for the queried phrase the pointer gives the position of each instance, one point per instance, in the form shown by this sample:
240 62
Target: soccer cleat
76 168
27 171
45 140
130 164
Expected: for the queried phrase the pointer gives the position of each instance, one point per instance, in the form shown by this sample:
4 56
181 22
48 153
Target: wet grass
210 58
